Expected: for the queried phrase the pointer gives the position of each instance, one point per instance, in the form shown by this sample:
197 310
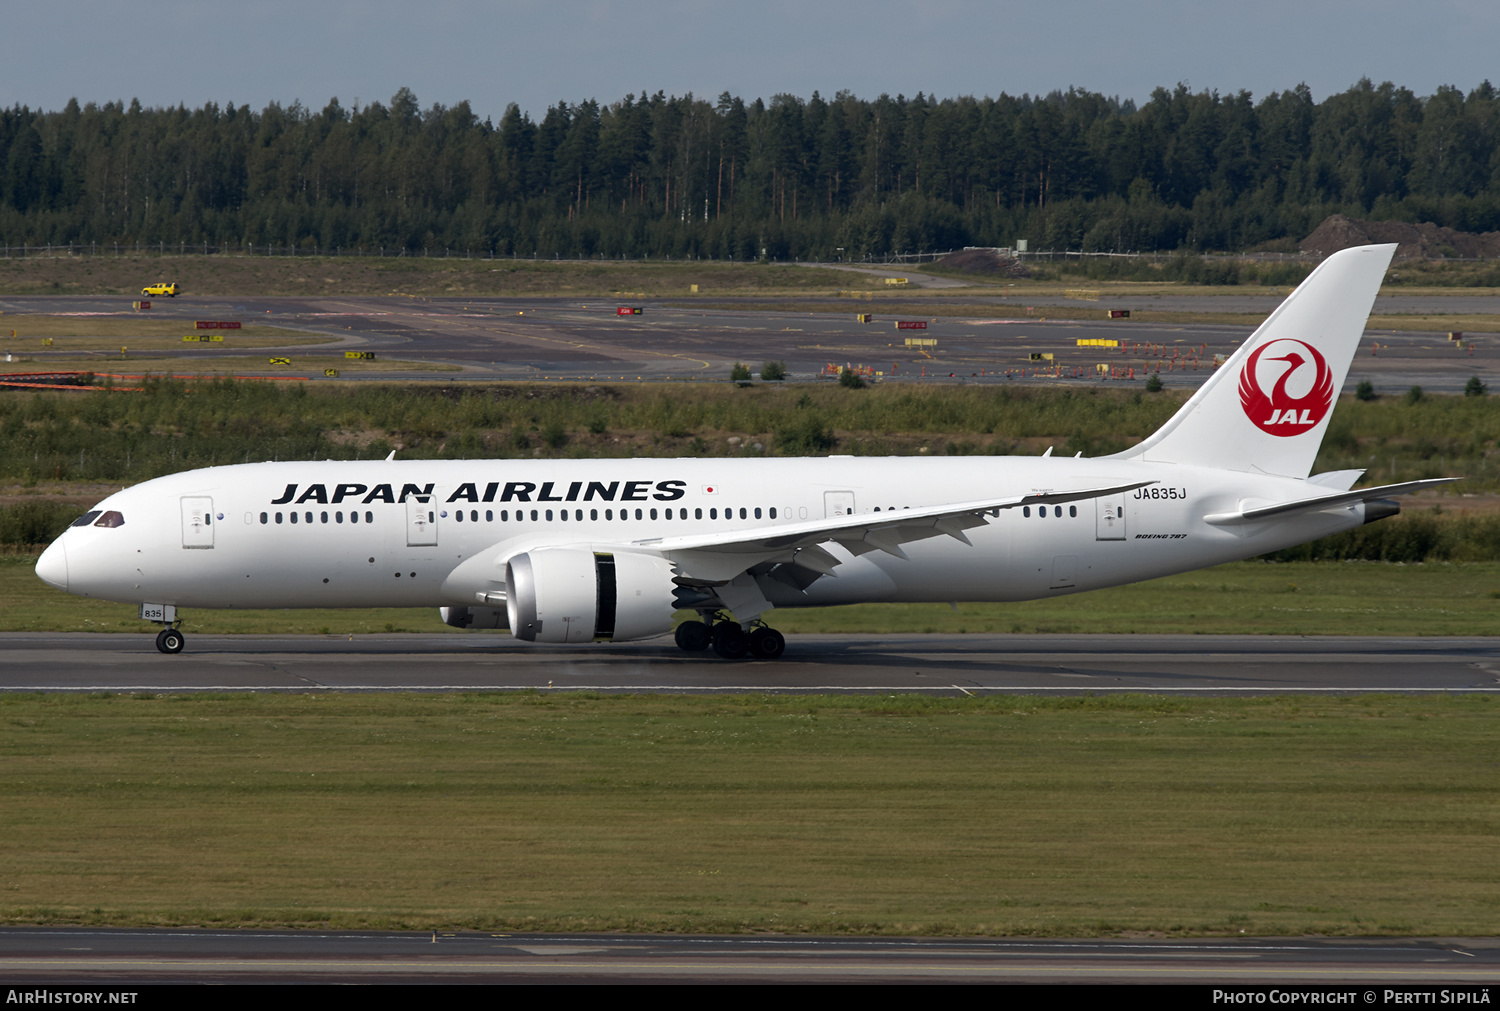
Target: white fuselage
224 537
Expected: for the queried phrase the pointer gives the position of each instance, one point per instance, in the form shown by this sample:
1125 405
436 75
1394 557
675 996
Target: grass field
1294 598
903 815
30 327
945 308
136 362
222 275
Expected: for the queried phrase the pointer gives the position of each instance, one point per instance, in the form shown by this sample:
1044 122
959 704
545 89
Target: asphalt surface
114 957
945 665
585 339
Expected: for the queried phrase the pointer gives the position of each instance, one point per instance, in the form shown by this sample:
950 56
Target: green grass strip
900 815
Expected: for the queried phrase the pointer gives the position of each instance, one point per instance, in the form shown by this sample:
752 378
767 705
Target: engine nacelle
579 595
474 617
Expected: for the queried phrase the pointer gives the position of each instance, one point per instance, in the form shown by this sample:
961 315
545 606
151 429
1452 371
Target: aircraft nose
52 567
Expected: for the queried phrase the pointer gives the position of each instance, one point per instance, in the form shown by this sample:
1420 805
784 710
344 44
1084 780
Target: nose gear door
197 522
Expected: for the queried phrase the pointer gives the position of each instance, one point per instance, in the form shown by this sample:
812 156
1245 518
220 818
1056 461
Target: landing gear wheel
169 640
730 641
767 643
693 636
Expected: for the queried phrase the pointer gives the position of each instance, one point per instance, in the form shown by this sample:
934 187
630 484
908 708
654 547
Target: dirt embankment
982 261
1425 241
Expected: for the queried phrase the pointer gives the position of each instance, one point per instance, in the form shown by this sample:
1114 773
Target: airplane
576 551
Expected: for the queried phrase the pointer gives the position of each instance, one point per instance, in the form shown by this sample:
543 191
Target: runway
585 340
121 957
941 665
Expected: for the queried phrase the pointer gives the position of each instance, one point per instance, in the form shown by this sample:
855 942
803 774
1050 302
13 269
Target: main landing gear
730 641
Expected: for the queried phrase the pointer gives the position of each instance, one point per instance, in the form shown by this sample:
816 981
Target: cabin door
421 523
198 522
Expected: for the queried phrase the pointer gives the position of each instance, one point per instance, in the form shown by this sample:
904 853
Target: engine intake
578 595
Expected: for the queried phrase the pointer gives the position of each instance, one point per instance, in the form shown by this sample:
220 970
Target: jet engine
579 595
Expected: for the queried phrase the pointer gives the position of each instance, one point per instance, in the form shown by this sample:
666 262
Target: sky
537 54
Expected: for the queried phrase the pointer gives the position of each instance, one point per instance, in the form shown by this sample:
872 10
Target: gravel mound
983 260
1425 241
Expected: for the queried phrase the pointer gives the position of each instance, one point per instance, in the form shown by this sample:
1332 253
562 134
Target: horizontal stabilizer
1325 501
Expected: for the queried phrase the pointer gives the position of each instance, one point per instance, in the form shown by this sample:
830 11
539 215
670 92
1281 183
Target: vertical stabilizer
1266 408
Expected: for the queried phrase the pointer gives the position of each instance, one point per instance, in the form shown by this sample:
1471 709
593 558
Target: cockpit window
110 519
86 518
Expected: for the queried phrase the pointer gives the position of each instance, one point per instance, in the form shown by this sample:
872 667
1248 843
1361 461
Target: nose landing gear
169 640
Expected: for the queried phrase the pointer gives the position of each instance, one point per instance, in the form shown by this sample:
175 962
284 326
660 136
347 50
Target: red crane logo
1281 412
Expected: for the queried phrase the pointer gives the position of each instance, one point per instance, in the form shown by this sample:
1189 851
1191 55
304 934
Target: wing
710 559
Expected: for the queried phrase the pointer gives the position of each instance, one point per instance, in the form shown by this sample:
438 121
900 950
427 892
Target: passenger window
697 514
593 514
369 517
458 515
309 517
338 517
653 514
1072 510
278 517
669 514
742 513
549 515
713 514
114 519
294 517
638 515
609 514
757 512
773 512
533 515
262 519
322 516
1026 511
489 515
86 518
473 515
563 515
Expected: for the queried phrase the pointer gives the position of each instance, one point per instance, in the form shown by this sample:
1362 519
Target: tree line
679 176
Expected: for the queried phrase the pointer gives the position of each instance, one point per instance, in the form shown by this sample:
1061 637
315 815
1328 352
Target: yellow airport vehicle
897 280
161 288
366 355
1097 342
921 342
331 373
1041 356
864 317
